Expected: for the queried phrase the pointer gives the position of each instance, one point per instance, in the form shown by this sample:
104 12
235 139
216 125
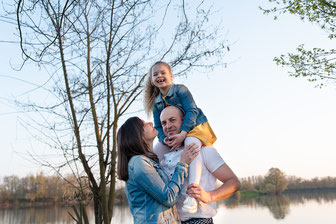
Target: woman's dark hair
130 142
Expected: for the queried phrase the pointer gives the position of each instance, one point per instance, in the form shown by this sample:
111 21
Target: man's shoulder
211 158
206 150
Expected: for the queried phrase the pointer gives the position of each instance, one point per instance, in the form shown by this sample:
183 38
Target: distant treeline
275 181
297 183
35 188
43 189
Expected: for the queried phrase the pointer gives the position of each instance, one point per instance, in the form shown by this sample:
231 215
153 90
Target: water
308 208
294 208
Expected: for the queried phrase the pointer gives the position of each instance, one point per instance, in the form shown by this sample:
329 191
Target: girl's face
161 76
150 132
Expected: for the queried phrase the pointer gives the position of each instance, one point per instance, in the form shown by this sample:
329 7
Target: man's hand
196 191
230 185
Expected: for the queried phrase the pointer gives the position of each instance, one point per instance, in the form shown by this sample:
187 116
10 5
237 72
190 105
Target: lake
290 208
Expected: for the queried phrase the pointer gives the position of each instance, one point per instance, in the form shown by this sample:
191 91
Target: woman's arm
146 175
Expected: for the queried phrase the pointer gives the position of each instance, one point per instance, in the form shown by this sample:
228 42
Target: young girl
161 92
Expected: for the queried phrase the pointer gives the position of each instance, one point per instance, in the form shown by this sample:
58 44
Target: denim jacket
151 195
178 96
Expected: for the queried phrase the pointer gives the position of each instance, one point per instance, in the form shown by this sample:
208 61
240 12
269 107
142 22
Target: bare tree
97 53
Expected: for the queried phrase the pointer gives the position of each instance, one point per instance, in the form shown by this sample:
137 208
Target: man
214 168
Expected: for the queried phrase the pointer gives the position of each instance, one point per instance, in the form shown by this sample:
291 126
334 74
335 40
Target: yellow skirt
204 133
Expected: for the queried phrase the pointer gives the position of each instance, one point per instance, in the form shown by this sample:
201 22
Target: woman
150 193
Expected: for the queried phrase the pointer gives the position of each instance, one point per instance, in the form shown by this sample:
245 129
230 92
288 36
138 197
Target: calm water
308 208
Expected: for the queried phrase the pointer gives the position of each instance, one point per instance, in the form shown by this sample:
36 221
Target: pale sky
262 117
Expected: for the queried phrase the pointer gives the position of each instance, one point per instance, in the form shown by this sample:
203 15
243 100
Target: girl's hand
171 143
175 141
196 191
189 153
166 141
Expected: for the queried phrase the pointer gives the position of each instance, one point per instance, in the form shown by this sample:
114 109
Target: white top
211 162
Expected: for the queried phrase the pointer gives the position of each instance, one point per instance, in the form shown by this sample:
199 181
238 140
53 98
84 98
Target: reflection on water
54 214
279 206
320 197
122 214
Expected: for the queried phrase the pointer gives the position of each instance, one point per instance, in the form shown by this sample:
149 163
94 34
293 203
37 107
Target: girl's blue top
151 195
178 96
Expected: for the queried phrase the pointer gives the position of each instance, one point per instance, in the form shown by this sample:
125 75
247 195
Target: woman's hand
196 191
189 153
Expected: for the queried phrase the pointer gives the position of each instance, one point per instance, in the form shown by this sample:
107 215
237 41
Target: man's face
171 121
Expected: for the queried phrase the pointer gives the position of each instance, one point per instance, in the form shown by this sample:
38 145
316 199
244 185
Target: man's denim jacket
178 96
151 195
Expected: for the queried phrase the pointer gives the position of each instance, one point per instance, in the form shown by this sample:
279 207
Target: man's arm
230 185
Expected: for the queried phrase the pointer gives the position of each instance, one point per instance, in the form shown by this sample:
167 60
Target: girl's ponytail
151 92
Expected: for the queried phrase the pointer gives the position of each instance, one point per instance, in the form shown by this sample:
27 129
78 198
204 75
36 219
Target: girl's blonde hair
151 91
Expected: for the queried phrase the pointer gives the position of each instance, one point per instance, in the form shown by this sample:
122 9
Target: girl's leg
195 171
195 167
160 150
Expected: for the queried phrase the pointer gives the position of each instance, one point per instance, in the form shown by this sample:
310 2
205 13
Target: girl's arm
189 107
190 116
157 124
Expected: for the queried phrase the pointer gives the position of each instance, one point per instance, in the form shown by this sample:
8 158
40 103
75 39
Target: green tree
246 184
274 182
96 54
315 64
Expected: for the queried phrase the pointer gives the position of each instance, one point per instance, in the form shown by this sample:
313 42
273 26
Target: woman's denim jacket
178 96
151 195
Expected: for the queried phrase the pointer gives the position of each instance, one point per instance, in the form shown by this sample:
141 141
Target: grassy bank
245 194
249 194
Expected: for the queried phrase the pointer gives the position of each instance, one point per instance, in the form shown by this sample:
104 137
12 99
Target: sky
262 117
